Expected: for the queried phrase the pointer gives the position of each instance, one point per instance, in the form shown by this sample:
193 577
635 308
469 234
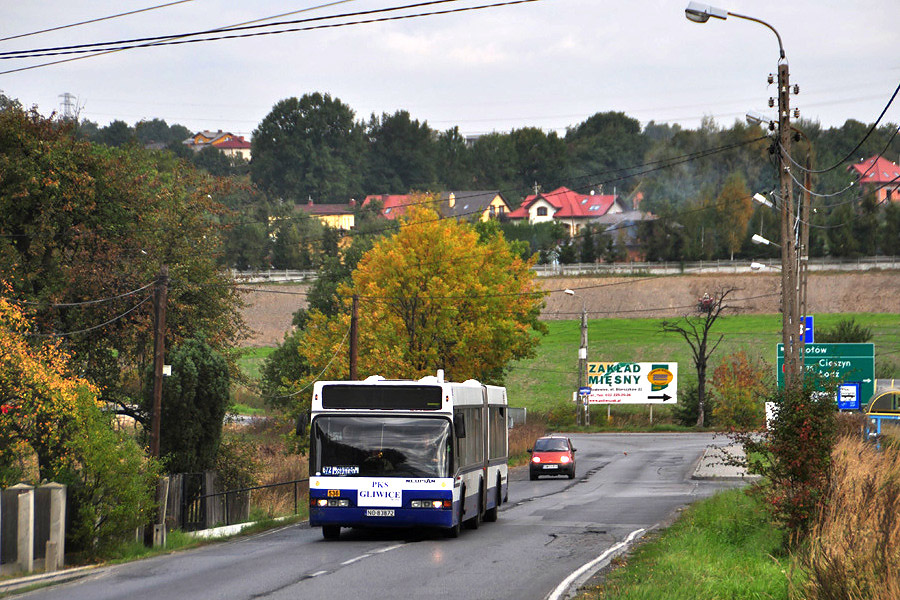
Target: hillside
269 315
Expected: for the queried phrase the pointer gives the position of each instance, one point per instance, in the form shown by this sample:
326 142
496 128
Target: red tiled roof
234 143
392 205
884 170
568 204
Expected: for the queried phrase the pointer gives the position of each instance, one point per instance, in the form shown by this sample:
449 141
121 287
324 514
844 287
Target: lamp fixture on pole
790 296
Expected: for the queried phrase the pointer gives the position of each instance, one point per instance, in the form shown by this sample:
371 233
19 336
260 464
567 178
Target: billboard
632 383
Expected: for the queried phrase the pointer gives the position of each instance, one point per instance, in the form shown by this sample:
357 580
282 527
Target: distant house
337 216
231 145
570 208
481 205
393 206
880 175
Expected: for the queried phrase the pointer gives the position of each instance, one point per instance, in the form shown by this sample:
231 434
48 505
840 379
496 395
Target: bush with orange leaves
52 428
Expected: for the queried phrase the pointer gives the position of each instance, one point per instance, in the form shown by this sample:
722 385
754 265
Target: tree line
699 182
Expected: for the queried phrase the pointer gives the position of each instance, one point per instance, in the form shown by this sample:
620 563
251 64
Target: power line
85 302
124 14
113 320
857 147
257 34
136 42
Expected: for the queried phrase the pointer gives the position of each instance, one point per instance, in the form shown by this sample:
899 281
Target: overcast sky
548 64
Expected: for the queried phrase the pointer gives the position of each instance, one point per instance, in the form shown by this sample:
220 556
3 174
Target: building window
542 211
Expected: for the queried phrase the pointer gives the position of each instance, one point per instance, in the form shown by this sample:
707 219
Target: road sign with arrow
632 383
838 364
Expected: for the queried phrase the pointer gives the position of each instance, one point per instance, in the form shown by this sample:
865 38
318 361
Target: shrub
847 331
739 386
236 464
795 454
196 398
687 410
111 485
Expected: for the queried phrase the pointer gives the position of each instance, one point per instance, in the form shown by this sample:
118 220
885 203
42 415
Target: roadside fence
769 265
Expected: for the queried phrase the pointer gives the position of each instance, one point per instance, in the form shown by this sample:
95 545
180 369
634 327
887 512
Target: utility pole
582 414
354 335
582 368
790 289
159 327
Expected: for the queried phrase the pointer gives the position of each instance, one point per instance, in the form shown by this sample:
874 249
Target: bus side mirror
460 426
300 425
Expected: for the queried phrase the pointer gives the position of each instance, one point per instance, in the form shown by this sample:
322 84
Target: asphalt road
549 528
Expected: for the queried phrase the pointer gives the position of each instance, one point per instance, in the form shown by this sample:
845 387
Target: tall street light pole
582 416
790 290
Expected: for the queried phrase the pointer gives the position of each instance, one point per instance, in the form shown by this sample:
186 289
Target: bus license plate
551 466
380 512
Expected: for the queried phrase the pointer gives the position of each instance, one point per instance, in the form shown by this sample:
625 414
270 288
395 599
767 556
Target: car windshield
381 446
551 445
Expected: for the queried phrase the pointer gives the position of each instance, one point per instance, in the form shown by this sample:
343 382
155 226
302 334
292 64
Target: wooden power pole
159 354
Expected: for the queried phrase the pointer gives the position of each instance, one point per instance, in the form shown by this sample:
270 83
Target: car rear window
551 445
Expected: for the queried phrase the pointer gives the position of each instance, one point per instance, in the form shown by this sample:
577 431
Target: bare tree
695 328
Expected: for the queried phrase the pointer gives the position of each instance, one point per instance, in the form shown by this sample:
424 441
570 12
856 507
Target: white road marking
561 589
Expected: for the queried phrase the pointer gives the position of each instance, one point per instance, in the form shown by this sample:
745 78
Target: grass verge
721 547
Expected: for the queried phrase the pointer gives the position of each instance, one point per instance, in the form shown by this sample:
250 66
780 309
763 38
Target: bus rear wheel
475 521
331 532
490 515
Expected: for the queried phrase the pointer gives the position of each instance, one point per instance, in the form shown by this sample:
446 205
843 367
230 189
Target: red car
552 455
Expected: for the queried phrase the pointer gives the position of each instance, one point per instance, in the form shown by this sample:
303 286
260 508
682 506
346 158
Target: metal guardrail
273 275
714 266
771 265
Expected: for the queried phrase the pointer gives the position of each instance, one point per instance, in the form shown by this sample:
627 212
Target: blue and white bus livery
401 453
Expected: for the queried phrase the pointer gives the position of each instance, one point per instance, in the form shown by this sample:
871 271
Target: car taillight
565 459
536 459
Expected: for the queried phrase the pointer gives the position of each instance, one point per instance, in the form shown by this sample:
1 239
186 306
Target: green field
548 380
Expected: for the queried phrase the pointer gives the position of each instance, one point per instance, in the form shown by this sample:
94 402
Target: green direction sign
838 363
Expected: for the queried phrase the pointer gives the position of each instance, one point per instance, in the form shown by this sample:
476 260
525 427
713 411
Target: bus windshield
381 446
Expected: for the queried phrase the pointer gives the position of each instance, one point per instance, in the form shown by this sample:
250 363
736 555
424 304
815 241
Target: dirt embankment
269 314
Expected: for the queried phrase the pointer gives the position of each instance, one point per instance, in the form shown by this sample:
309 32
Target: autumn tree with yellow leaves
437 294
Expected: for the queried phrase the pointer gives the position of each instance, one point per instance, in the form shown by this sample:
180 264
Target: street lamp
790 291
758 239
582 416
763 200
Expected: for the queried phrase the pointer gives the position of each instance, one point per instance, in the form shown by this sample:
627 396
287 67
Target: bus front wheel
331 532
453 531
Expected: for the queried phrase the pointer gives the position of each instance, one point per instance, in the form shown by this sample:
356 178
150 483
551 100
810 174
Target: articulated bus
401 453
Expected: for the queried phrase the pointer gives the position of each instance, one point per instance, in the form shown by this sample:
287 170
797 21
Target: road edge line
564 585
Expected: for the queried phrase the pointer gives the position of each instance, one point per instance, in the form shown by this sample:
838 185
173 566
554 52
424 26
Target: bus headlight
331 502
430 504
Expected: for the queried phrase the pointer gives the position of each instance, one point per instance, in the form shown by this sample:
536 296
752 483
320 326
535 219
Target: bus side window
459 423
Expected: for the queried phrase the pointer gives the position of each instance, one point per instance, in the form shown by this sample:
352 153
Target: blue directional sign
848 396
808 337
584 391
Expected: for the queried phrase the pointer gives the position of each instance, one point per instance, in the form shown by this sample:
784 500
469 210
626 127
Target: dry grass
854 548
521 437
274 462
